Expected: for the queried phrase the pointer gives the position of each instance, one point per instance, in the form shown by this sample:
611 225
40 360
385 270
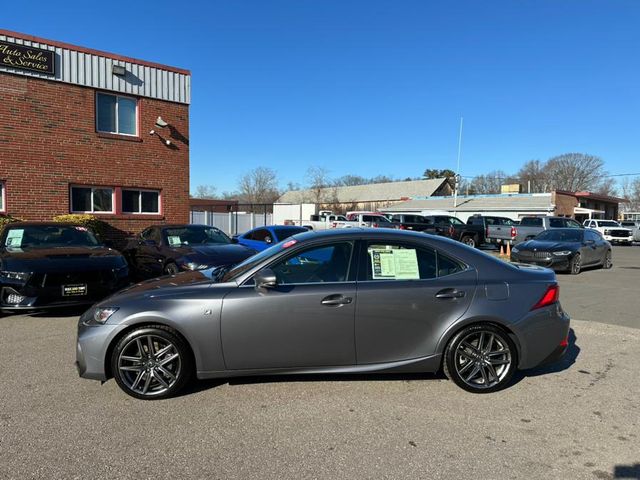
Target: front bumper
611 239
91 348
553 262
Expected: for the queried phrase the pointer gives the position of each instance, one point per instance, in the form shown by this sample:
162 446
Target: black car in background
565 249
454 228
414 222
169 249
45 265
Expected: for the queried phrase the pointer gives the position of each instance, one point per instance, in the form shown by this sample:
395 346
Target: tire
156 376
171 269
469 240
475 369
607 262
575 265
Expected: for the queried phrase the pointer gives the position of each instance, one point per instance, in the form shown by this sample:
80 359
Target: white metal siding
94 71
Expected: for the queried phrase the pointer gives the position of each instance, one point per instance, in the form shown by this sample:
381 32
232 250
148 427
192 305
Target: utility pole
457 177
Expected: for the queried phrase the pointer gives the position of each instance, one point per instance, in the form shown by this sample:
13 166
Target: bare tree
318 179
260 185
631 191
489 183
533 177
575 172
205 191
607 186
350 180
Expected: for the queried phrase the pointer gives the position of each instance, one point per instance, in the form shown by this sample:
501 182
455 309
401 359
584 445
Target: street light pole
457 177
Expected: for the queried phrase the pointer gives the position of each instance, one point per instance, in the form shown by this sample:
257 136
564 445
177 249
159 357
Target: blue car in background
262 238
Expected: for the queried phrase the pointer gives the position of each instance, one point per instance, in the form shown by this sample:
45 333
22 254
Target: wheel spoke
132 368
135 384
166 373
150 344
489 343
500 362
497 352
473 373
170 358
481 342
465 367
492 372
485 378
145 388
163 350
130 359
464 354
160 379
140 347
469 346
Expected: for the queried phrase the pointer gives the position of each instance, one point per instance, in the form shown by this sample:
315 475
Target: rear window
531 222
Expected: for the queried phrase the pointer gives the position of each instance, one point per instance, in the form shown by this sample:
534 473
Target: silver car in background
348 300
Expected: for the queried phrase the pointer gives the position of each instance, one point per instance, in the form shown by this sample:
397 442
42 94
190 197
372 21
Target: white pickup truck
364 219
322 221
611 230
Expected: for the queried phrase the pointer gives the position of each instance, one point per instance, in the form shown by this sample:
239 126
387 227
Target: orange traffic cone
508 252
502 250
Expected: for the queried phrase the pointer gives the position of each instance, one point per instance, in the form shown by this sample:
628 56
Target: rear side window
556 223
260 235
572 223
531 222
389 261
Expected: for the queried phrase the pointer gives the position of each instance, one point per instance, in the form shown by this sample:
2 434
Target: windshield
194 235
46 236
609 223
561 235
250 262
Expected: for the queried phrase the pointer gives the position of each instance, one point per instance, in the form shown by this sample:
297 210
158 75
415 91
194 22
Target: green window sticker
394 264
14 237
174 240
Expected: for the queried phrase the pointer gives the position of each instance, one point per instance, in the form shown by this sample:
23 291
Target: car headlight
563 253
19 276
515 250
196 266
101 315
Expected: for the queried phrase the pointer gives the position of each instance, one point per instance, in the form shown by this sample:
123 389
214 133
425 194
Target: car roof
43 224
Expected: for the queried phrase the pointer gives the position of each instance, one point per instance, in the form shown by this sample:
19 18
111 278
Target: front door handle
336 300
450 293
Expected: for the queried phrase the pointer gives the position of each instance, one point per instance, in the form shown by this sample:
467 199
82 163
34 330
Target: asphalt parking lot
577 419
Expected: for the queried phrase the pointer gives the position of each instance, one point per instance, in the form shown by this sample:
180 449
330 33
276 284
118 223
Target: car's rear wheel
151 363
469 240
171 269
607 262
481 359
575 265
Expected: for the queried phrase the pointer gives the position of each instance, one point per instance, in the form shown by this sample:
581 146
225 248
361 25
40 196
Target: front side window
260 235
326 263
140 201
387 261
116 114
92 199
194 235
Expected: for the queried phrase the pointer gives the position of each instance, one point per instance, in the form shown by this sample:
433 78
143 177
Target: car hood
548 246
57 259
223 254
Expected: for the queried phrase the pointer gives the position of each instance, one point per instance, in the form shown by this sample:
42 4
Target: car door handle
450 293
335 300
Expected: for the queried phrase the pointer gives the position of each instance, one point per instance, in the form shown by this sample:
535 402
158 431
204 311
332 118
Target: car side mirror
265 278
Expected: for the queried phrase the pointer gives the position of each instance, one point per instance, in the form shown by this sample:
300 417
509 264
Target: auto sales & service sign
27 58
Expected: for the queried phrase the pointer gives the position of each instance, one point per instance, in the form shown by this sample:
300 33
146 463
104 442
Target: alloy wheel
576 264
149 365
483 359
607 260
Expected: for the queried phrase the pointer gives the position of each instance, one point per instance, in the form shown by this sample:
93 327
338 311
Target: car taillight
514 232
374 225
402 227
334 224
550 297
451 230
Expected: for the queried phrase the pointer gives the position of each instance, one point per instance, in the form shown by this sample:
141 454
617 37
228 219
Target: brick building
75 128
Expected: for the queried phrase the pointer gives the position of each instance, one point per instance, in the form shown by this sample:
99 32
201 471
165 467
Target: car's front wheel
607 262
151 362
480 359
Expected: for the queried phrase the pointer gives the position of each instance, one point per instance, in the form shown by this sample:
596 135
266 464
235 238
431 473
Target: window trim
3 196
137 115
140 190
93 187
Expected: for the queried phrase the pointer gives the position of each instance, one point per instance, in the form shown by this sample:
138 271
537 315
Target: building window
2 200
140 201
92 199
116 114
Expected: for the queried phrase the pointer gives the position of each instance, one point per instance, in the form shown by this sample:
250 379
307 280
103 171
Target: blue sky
378 87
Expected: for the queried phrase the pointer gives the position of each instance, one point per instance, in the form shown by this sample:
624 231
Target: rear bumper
542 335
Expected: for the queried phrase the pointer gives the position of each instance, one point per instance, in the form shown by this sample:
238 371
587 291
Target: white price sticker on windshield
14 237
174 240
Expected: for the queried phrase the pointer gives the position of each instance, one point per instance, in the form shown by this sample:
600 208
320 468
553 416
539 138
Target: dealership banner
27 58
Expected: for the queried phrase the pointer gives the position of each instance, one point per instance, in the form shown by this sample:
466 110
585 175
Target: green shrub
84 220
5 220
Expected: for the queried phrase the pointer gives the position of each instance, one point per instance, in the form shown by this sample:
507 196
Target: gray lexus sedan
347 300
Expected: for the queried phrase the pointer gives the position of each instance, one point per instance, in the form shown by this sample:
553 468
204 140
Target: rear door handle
450 293
336 300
